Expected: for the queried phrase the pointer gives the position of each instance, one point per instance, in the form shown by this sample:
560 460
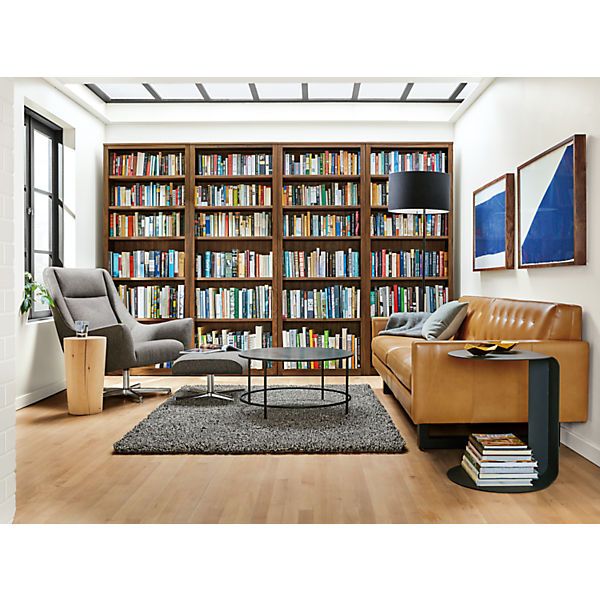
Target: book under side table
543 426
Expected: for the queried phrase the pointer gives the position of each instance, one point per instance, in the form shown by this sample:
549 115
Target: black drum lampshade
416 191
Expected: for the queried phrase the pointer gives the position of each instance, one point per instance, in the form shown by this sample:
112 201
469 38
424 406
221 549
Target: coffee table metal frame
263 355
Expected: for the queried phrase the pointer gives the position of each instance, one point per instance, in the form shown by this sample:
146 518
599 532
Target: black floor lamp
419 192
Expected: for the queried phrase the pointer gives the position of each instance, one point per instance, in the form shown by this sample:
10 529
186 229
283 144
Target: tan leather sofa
437 389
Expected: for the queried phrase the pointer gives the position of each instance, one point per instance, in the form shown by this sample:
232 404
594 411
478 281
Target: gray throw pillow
445 321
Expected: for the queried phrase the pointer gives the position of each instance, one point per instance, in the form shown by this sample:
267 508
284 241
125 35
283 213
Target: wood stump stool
84 369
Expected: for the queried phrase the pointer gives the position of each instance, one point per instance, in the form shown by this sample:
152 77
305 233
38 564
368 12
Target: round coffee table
320 355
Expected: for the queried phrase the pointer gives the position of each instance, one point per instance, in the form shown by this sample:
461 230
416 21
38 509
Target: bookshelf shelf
232 178
233 208
156 238
330 208
146 208
359 186
134 178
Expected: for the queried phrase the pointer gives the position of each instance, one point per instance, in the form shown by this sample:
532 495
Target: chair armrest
378 324
451 390
120 352
181 330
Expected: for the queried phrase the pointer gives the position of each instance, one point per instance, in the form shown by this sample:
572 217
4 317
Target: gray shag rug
200 426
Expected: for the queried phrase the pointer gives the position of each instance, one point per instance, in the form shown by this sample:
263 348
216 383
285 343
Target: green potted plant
34 291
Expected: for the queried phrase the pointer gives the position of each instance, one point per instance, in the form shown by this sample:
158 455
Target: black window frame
36 122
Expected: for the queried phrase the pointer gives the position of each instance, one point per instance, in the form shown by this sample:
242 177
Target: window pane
40 262
69 241
42 161
41 221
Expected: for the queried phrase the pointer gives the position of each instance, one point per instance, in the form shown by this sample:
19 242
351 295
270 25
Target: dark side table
543 419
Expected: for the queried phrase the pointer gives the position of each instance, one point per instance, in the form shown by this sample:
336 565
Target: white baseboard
40 394
580 445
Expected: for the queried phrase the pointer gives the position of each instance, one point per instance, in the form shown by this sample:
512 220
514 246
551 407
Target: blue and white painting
490 226
546 209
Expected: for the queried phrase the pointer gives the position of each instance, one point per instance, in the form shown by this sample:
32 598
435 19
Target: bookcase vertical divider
277 248
365 260
190 242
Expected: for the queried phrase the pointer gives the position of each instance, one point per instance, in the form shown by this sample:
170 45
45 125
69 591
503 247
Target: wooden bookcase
276 243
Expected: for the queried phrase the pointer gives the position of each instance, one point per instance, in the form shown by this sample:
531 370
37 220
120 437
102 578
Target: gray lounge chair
90 295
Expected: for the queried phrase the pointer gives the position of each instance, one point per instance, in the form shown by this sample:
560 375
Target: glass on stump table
320 355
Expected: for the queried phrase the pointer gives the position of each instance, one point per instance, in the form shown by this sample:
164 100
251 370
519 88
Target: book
243 194
333 302
325 194
154 301
328 162
319 225
235 164
393 161
498 462
148 194
234 263
500 482
234 303
499 444
321 263
147 263
146 225
233 224
147 164
409 263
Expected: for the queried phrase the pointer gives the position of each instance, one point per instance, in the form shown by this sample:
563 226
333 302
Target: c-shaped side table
543 419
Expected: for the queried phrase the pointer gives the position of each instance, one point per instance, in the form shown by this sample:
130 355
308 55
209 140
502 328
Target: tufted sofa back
500 318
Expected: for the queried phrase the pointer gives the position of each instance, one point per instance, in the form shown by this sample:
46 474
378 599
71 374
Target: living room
289 299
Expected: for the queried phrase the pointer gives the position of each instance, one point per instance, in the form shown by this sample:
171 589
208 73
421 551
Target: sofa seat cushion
399 360
383 344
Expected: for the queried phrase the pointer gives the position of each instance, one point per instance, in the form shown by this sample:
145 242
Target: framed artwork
494 225
552 206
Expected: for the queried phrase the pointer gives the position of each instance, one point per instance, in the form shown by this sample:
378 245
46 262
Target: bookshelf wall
305 209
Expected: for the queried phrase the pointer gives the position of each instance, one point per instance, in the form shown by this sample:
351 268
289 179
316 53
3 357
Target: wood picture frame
494 225
551 205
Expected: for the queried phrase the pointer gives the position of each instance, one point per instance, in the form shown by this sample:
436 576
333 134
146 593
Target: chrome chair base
134 392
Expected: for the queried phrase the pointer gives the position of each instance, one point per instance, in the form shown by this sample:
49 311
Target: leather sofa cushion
499 318
381 345
399 360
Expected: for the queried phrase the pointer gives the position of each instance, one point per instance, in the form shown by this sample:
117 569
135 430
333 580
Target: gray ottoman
198 364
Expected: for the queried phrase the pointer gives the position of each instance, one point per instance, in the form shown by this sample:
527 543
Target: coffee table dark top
512 355
296 354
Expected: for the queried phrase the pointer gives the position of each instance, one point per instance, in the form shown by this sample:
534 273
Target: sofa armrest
378 324
450 390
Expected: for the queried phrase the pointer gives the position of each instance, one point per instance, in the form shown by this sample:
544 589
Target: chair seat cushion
157 351
382 345
213 363
399 361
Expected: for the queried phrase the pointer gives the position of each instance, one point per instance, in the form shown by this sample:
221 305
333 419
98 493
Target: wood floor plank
66 473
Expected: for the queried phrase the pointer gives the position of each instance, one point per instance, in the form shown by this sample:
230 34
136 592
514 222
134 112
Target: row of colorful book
408 225
306 337
234 303
339 162
143 225
234 263
499 460
243 194
147 263
409 263
154 301
235 164
384 162
316 225
333 302
388 299
321 263
140 164
148 194
233 224
325 194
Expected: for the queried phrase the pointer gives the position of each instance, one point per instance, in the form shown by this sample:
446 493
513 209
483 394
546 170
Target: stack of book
233 225
499 460
311 225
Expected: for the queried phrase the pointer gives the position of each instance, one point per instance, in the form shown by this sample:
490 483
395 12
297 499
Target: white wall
279 132
40 369
512 121
7 295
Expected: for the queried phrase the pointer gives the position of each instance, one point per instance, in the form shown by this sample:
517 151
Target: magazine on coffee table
211 348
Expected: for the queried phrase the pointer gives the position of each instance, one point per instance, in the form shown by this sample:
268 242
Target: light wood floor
66 473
